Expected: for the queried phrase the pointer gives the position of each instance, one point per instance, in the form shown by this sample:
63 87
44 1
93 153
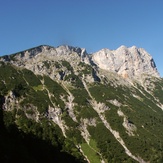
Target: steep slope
83 104
128 62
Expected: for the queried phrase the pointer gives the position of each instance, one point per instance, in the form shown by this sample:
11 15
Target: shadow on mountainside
16 146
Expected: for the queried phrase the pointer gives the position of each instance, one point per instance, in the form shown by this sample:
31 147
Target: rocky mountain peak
66 50
128 62
45 52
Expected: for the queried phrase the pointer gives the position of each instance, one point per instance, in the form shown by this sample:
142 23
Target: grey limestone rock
128 62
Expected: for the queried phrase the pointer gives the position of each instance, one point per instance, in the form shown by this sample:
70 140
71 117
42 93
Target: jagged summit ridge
128 62
46 50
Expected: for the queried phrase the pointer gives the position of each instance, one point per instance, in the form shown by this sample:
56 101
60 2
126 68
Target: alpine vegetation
65 105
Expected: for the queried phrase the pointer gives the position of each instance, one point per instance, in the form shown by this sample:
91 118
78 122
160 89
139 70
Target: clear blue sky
90 24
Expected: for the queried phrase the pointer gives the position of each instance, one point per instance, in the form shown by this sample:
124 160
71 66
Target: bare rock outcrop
128 62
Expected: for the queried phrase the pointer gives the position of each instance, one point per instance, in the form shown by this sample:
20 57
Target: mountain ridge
67 97
127 62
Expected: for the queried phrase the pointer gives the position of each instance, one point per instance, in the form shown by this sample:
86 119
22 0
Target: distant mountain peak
129 62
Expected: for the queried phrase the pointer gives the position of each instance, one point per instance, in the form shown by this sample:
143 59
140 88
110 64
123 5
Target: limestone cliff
128 62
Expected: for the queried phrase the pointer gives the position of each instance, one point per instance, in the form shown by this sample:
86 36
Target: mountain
65 105
127 62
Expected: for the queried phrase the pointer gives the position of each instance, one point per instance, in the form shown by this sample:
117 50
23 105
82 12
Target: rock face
44 52
128 62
